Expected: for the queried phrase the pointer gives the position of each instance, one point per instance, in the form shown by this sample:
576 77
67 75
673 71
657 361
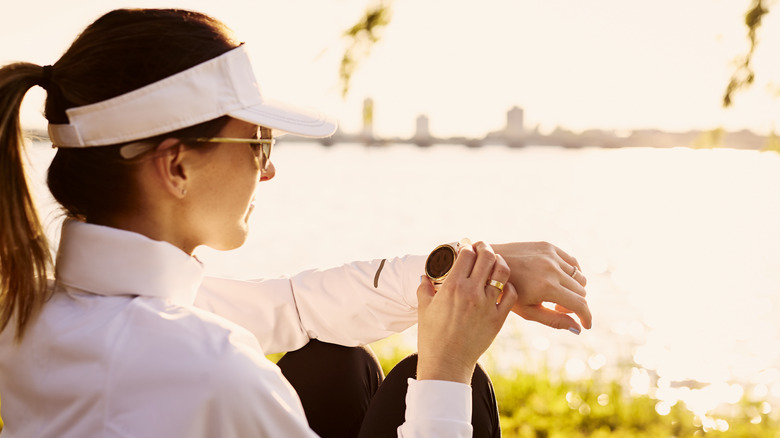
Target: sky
601 64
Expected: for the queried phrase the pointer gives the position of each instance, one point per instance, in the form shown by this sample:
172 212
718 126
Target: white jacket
136 343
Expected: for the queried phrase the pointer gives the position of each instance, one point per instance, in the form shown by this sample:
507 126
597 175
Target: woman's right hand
459 322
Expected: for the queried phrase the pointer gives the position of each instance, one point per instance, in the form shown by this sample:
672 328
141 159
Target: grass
536 405
546 405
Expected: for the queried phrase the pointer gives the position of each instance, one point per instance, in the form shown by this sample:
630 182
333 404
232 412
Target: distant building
423 126
422 133
514 132
515 123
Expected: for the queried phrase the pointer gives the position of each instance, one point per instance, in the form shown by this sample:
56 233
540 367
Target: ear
169 167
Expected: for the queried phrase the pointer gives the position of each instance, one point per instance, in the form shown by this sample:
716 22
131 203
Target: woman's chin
235 240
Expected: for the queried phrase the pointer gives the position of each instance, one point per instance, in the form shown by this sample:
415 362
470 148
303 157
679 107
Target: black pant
344 392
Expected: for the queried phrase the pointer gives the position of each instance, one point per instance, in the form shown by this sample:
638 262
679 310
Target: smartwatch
441 260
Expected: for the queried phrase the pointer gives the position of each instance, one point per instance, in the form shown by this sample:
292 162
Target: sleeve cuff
438 408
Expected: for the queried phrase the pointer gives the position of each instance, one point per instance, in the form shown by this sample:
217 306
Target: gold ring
496 284
574 273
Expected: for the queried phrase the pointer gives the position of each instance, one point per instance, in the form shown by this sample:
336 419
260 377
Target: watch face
440 262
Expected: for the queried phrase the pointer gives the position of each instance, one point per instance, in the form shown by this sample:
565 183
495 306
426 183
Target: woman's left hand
542 272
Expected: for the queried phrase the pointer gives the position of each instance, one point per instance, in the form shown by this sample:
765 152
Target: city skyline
515 133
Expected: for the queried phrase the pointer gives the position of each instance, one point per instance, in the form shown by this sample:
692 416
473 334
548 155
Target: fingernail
574 330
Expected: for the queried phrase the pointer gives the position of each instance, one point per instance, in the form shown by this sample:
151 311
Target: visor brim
284 118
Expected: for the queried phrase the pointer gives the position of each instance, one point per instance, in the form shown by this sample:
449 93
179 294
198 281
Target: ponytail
24 251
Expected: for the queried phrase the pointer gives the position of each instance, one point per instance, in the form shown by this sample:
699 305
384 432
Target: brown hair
121 51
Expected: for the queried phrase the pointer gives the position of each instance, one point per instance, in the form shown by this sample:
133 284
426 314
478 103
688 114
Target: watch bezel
453 250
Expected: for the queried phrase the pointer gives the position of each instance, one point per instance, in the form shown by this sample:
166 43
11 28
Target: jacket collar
109 261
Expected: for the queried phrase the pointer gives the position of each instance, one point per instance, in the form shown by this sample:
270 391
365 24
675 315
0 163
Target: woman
162 138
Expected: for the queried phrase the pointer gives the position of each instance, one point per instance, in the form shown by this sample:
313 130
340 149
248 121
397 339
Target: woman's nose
268 173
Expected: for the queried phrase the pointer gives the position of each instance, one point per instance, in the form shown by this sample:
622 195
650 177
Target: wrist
498 248
451 369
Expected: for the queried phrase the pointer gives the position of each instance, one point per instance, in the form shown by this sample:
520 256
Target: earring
183 192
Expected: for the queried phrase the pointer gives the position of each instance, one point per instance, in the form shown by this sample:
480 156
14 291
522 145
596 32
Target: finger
574 272
508 300
464 263
566 257
579 276
551 318
574 302
483 266
559 308
571 262
425 292
500 274
576 285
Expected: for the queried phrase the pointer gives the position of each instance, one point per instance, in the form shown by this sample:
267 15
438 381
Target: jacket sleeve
354 304
357 303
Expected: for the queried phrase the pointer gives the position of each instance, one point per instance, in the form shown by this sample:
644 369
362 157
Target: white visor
223 86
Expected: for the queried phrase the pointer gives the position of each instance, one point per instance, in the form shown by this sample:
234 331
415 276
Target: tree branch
744 75
362 37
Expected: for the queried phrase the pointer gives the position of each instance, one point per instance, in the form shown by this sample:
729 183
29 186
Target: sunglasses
260 146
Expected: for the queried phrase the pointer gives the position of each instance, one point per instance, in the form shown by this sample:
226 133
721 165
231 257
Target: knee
480 377
338 359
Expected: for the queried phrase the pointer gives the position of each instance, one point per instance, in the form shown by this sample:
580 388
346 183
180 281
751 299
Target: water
679 246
